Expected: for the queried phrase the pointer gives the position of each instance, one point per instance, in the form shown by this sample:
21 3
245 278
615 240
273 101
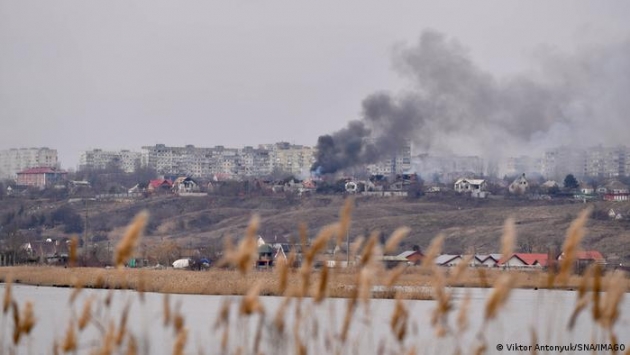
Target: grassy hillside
469 224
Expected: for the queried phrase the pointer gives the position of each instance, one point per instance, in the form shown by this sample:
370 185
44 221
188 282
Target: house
448 260
413 257
612 214
586 189
550 185
260 241
160 186
476 187
185 184
519 186
584 258
281 242
525 260
489 260
615 191
280 254
40 177
266 254
467 185
48 251
391 261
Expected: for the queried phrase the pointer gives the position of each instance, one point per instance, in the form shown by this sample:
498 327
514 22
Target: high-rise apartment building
231 163
559 162
96 159
291 158
605 162
13 161
593 162
398 163
515 166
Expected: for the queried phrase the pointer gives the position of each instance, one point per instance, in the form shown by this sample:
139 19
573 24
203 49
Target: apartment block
515 166
97 159
228 163
596 162
559 162
13 161
398 163
291 158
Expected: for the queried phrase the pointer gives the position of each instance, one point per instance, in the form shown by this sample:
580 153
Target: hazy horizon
76 76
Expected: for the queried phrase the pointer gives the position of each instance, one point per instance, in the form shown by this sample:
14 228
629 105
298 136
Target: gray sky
76 75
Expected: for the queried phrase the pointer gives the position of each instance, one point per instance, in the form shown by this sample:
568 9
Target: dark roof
42 170
265 248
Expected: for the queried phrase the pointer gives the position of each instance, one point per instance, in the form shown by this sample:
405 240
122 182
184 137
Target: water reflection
545 313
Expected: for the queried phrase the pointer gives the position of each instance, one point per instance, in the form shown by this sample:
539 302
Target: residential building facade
596 162
398 163
97 159
41 177
13 161
220 162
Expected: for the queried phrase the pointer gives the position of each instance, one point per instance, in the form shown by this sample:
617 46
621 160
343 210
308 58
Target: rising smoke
452 106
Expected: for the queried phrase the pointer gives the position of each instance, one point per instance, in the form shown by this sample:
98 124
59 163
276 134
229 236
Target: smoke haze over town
453 106
489 79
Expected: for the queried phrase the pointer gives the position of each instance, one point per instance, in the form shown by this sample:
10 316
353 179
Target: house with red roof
583 258
525 260
615 191
413 256
40 177
160 185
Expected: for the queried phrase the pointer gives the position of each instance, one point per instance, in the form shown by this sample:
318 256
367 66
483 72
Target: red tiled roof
529 258
41 170
160 182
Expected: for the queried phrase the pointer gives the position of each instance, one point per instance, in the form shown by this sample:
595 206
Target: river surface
528 313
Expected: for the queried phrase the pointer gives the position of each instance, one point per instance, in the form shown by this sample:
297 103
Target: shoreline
413 283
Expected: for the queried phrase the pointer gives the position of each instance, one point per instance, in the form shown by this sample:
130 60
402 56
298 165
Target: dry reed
323 283
122 328
399 320
251 303
70 340
166 310
498 296
72 253
614 293
571 245
392 243
6 302
180 342
462 315
433 251
461 269
127 245
86 314
508 240
245 254
344 219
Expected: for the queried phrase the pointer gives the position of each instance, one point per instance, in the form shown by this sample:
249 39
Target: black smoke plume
454 106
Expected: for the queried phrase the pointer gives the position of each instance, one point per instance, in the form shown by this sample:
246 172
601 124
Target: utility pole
85 230
348 246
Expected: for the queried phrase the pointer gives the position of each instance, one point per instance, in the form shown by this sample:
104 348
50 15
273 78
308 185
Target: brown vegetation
355 284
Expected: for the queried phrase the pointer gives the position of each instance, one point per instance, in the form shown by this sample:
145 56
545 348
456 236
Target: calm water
544 312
